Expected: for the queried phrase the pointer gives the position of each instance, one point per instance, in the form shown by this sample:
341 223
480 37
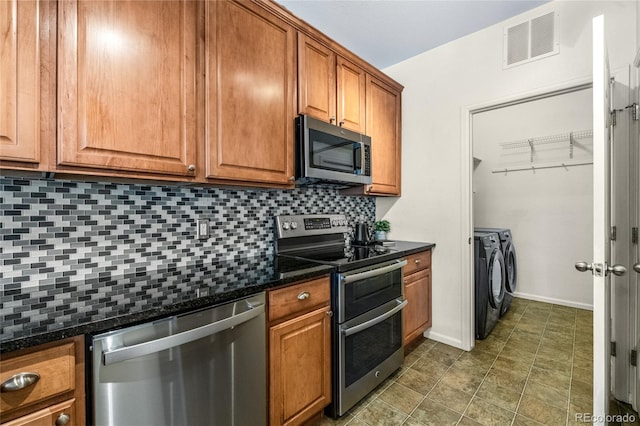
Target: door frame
466 201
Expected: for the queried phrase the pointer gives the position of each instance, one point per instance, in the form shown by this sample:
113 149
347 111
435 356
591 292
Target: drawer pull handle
63 419
304 295
19 382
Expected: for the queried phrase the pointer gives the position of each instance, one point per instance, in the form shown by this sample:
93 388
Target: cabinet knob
304 295
191 168
418 261
341 123
330 313
332 120
63 419
292 178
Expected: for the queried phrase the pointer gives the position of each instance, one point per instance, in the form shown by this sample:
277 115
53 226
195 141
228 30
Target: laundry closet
533 175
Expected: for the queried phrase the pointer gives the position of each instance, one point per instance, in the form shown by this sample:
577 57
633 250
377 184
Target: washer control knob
285 226
294 225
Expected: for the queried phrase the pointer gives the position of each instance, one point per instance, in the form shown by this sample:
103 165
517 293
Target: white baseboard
562 302
447 340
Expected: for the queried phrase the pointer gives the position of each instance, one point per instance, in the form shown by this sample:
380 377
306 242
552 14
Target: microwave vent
531 40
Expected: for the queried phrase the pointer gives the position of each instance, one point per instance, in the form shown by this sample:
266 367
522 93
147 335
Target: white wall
549 210
439 85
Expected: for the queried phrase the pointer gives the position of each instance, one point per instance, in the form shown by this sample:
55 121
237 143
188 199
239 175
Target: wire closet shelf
569 138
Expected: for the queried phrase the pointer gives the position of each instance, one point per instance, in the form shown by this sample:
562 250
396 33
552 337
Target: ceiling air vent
531 40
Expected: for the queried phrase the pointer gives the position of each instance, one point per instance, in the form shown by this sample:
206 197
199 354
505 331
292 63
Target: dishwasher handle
113 356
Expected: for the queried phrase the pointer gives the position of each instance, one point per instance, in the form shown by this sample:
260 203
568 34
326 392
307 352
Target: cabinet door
51 416
383 125
300 367
250 102
351 95
19 81
417 313
316 79
126 85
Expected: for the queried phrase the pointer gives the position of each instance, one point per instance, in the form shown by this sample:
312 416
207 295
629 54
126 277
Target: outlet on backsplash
202 232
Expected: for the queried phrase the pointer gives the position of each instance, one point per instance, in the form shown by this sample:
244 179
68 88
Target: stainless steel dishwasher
203 368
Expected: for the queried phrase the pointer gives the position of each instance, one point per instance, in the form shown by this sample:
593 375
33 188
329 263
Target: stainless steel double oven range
367 301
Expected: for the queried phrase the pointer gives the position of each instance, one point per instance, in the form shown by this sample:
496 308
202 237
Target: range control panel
310 224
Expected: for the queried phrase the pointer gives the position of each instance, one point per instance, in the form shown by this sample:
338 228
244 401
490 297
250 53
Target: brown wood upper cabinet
250 99
383 125
19 81
126 85
330 87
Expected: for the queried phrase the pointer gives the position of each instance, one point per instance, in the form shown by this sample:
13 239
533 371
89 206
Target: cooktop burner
321 239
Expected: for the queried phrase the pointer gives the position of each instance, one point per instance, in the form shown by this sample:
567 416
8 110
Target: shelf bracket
571 141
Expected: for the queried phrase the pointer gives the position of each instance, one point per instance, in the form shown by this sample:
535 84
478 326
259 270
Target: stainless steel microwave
329 153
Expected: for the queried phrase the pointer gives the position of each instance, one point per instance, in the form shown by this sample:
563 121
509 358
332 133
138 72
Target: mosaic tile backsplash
55 231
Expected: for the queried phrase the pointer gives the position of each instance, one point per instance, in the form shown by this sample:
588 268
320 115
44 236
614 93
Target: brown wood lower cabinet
300 355
57 396
417 291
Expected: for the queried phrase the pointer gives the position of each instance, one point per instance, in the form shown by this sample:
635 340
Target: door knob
617 270
636 267
584 266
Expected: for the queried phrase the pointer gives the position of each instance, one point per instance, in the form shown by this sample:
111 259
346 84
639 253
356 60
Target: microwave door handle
377 320
372 273
357 158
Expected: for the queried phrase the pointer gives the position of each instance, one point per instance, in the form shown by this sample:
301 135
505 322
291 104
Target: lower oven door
369 350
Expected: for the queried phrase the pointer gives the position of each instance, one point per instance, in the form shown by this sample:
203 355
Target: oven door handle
358 328
373 273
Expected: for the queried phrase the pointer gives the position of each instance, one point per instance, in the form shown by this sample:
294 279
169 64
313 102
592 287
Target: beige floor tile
488 414
418 381
509 364
466 421
561 367
550 395
523 343
452 398
501 396
507 378
465 382
476 357
520 420
581 390
583 374
502 333
550 378
564 330
328 421
428 366
411 422
490 345
477 369
558 345
517 355
380 413
540 411
357 421
411 358
401 398
431 413
554 354
581 360
444 355
559 337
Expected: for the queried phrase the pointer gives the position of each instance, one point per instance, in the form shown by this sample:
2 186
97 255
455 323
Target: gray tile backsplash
55 231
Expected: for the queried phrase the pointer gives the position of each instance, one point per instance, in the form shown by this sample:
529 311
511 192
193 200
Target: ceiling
385 32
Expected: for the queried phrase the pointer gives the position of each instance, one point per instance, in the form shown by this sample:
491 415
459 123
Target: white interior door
601 222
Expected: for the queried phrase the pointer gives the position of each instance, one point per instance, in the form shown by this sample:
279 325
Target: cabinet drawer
53 415
417 262
56 368
299 298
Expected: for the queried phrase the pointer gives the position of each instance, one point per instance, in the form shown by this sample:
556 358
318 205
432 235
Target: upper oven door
361 290
333 153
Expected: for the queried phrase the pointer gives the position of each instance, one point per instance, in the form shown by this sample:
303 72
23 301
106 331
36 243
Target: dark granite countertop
34 315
